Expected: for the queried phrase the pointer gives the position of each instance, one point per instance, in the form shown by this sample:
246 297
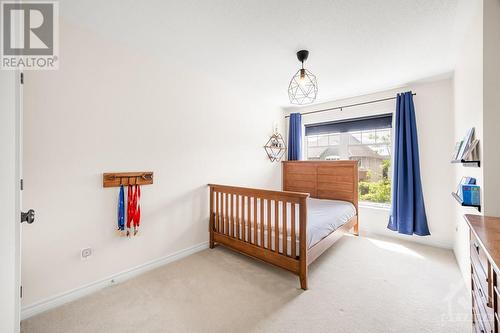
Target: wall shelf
461 202
275 147
470 157
468 163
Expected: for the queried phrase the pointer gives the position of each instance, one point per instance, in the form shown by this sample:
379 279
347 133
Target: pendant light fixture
303 86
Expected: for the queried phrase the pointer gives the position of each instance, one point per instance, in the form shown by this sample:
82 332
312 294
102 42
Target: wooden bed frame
237 213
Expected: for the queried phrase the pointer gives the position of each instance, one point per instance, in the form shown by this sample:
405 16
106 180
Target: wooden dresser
485 273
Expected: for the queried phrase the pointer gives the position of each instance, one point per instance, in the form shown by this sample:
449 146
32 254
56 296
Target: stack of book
465 148
468 191
471 194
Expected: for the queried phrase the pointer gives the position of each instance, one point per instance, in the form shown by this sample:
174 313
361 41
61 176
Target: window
367 140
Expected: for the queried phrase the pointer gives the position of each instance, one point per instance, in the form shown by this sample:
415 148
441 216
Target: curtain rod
348 106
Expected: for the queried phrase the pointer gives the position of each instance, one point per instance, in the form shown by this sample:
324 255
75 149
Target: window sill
373 205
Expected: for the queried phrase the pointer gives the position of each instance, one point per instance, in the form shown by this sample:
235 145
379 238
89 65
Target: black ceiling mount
302 55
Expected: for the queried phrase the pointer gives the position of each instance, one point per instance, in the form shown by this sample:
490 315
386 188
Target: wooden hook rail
115 179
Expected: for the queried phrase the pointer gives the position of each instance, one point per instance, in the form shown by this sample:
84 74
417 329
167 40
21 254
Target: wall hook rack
116 179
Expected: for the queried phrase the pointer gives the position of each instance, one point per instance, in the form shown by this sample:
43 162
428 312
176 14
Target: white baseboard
409 238
72 295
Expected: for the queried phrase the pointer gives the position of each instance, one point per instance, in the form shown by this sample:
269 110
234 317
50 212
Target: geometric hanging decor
275 147
303 86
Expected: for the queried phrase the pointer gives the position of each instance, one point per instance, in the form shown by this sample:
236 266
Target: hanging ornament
121 211
130 208
133 209
137 217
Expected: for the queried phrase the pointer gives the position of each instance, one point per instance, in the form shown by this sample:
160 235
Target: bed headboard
335 180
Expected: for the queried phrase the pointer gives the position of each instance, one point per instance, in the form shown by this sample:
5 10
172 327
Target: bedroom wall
491 111
434 113
119 104
476 104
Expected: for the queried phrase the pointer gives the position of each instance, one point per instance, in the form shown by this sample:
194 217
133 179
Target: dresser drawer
496 322
480 292
480 278
476 328
477 252
477 324
480 317
497 305
483 313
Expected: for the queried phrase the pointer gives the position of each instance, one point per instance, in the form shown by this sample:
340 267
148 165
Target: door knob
28 217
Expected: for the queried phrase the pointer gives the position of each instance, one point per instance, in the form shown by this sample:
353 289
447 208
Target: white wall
117 104
477 102
9 199
491 111
469 92
434 112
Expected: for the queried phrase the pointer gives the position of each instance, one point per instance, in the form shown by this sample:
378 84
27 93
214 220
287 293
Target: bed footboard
267 225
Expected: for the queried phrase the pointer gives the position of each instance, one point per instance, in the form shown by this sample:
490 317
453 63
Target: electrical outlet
86 253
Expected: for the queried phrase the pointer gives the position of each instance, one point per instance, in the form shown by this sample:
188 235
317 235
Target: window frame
390 146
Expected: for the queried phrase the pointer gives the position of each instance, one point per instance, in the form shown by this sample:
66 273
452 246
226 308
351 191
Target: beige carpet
362 284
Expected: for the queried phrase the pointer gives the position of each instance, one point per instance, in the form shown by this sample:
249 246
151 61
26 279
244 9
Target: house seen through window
367 140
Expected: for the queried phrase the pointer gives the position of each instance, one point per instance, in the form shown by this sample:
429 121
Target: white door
10 199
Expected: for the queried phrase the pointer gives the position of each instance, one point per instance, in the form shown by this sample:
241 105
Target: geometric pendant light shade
303 86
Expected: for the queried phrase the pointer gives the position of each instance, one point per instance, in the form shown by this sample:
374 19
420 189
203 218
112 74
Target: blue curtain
408 210
295 137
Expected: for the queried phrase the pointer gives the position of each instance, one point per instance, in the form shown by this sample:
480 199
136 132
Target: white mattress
323 217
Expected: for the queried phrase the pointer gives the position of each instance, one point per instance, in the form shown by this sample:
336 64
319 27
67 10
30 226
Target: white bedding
323 217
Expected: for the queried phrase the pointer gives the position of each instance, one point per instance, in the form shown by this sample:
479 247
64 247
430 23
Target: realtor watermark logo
30 35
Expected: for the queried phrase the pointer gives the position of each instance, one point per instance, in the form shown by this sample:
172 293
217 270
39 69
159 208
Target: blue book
465 181
471 181
471 194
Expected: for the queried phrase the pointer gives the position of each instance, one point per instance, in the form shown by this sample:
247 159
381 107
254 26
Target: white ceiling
356 47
